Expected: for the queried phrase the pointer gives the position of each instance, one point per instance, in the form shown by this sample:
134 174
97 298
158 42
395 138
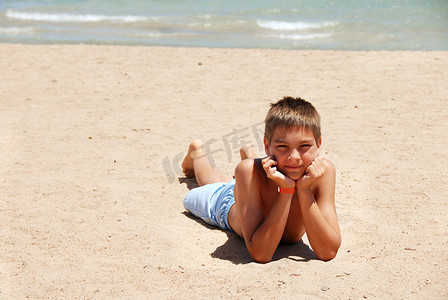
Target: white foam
281 25
207 16
299 36
16 30
36 16
304 36
152 34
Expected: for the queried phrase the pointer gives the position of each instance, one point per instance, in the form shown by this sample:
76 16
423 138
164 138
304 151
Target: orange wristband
286 190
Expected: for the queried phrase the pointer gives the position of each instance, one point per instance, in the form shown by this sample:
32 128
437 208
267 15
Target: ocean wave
304 36
298 36
282 25
44 17
16 30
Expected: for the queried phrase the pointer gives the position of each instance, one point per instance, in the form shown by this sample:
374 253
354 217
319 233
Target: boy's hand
312 173
272 173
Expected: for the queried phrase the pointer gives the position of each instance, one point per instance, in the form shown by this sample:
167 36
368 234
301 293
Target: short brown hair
292 112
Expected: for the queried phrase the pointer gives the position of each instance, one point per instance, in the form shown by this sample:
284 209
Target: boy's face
294 149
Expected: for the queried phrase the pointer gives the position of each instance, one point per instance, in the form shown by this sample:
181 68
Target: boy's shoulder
329 165
250 167
330 169
247 165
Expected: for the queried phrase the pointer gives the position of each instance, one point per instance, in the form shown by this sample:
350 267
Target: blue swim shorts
211 203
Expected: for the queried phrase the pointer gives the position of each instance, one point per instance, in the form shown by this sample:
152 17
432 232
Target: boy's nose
294 155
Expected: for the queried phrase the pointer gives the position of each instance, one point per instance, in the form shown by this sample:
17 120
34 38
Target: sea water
281 24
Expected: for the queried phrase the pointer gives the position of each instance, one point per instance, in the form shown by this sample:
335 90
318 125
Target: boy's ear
267 147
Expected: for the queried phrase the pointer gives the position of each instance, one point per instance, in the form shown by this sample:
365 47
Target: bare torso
294 228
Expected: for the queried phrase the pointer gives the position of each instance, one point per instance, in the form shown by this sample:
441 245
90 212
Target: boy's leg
196 164
199 201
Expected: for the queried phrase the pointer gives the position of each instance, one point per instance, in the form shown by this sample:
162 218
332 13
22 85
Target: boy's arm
261 235
319 213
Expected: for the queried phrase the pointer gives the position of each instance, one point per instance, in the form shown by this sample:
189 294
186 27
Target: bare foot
188 162
247 152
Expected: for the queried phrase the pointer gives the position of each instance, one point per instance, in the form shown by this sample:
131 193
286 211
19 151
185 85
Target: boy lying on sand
277 198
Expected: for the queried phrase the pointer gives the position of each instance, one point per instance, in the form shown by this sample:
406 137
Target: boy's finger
269 163
270 172
266 163
267 158
310 169
320 164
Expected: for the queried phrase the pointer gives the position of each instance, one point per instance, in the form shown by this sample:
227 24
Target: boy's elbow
262 259
327 256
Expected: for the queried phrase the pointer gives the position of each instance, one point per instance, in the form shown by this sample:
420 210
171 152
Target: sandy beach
91 190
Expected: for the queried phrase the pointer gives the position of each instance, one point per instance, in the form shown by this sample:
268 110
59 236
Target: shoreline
211 48
92 194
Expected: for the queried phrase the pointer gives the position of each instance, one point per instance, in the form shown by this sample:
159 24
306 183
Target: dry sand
91 195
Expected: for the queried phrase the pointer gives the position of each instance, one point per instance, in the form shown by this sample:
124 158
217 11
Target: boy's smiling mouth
294 168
